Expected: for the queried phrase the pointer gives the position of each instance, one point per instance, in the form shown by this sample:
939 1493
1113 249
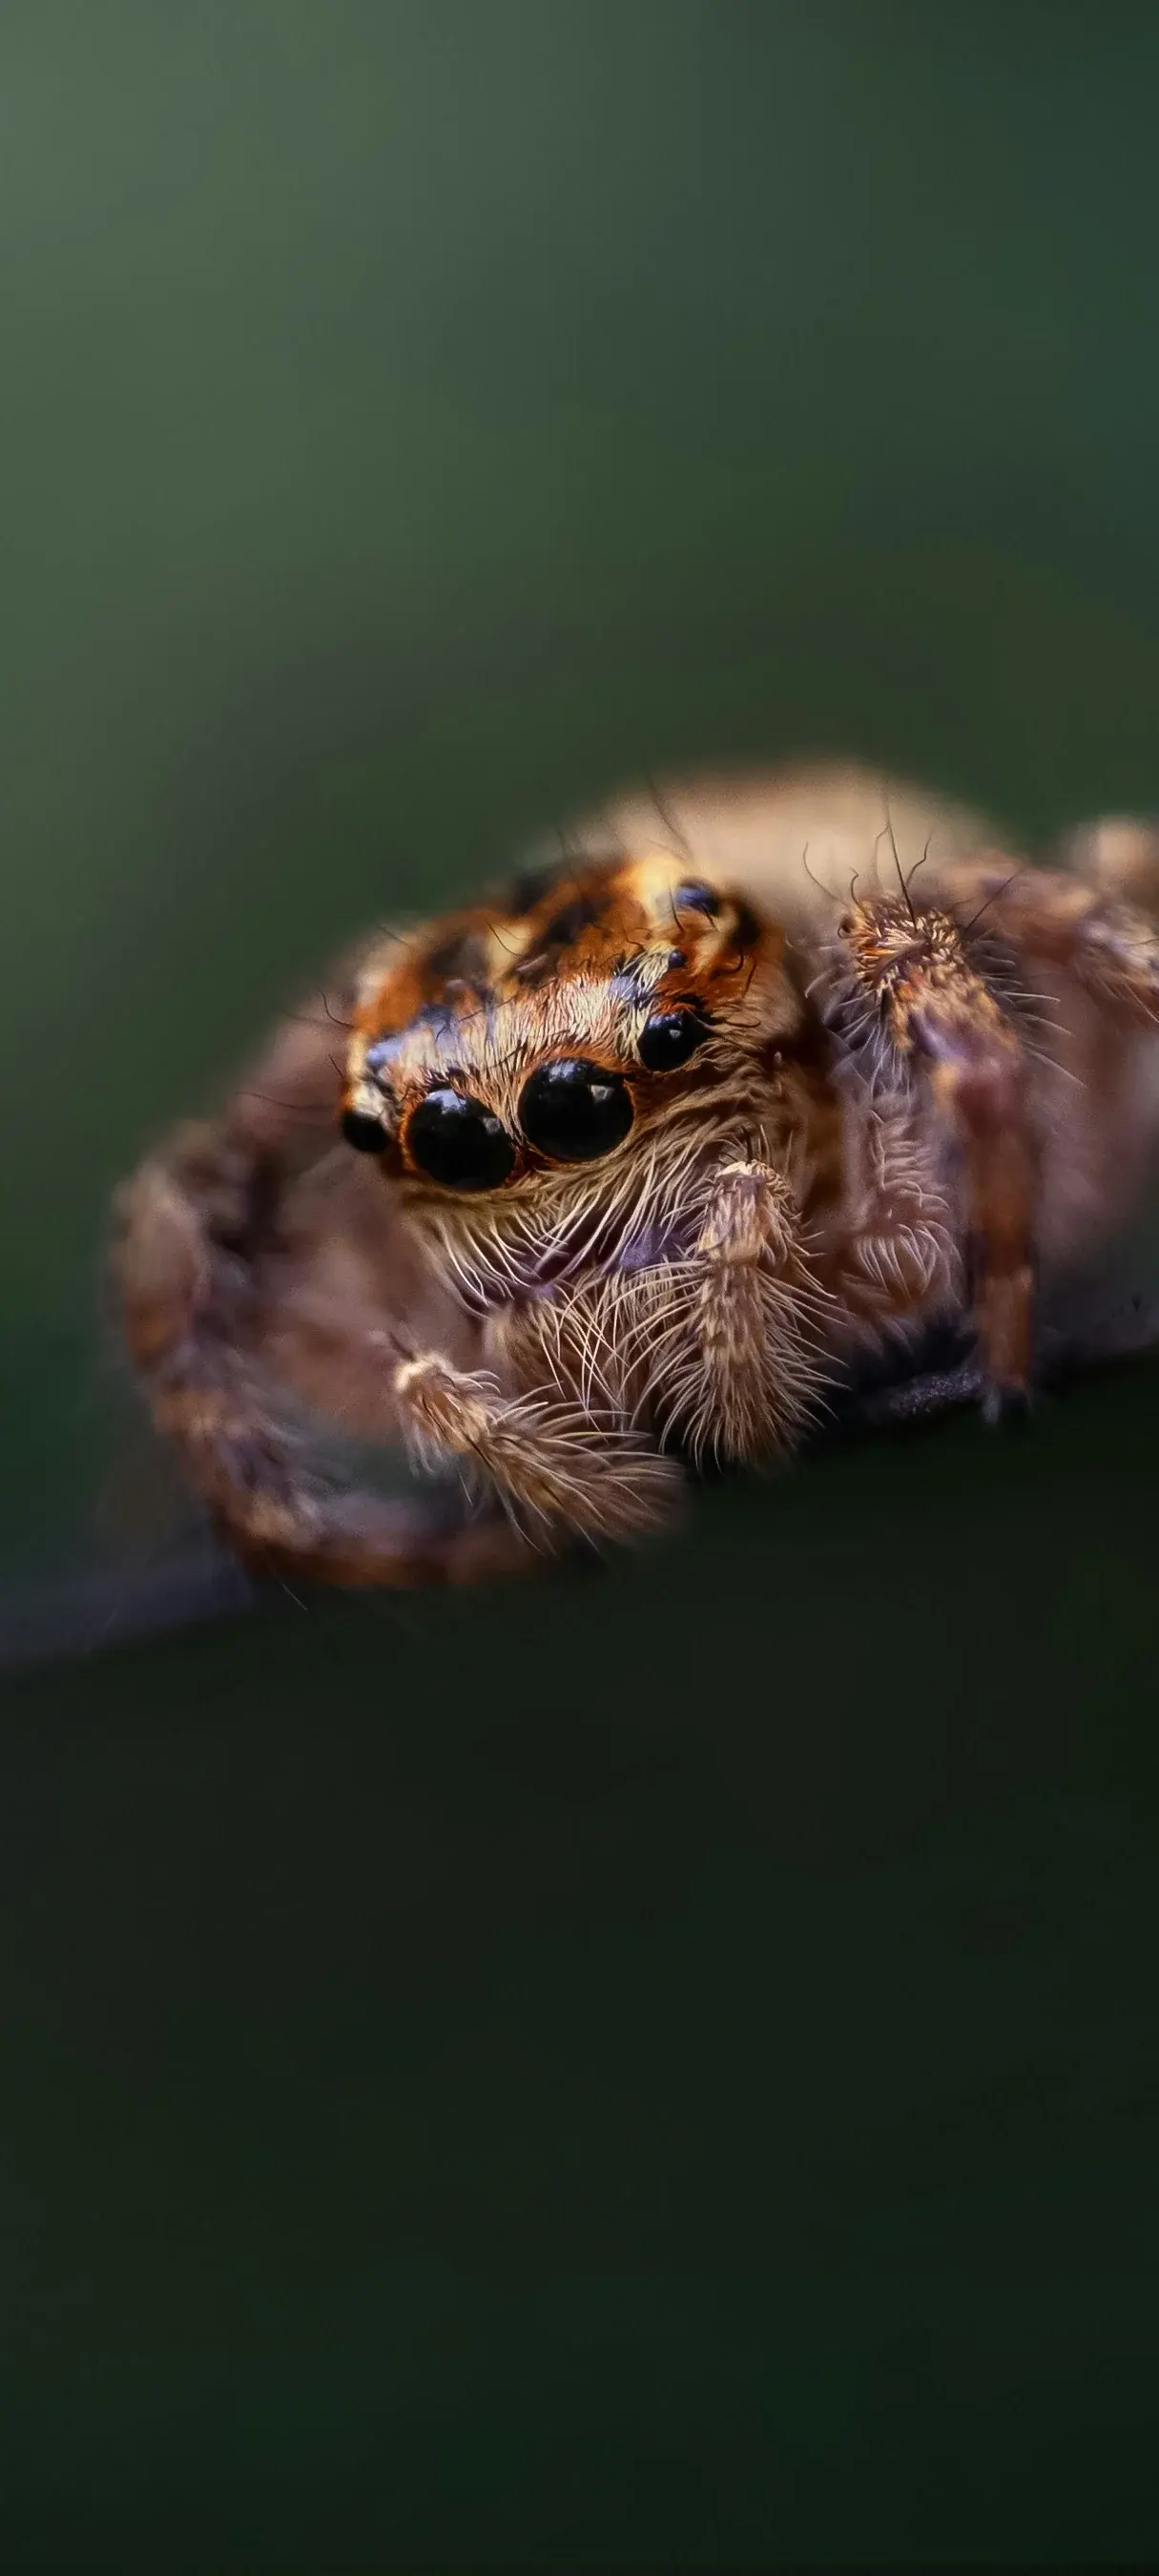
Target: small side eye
669 1038
696 897
366 1134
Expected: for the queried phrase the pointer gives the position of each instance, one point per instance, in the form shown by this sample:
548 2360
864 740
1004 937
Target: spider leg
944 1380
907 1401
558 1460
560 1472
732 1333
1119 854
932 1015
1094 925
897 1257
208 1273
193 1223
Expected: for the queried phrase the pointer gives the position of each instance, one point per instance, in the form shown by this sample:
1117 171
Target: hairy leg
728 1341
1119 854
1099 925
204 1237
925 1011
193 1222
521 1437
897 1257
560 1471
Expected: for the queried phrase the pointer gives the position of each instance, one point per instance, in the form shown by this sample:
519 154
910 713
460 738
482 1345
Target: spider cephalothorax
635 1162
513 1045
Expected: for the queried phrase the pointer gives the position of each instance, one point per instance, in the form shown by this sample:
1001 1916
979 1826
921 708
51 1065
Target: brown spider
629 1167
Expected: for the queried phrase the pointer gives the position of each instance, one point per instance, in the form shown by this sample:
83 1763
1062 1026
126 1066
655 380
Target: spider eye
574 1111
458 1142
365 1133
696 897
669 1038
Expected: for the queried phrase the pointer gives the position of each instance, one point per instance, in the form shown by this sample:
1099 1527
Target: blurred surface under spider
647 1161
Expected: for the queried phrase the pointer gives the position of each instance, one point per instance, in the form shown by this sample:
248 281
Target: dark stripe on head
748 928
533 883
565 927
461 959
561 933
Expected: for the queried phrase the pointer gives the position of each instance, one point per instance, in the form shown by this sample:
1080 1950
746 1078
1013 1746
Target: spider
645 1163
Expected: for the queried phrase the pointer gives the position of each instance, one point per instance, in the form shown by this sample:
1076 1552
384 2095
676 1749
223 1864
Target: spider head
509 1049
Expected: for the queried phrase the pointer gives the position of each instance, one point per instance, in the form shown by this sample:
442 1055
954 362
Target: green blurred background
661 2074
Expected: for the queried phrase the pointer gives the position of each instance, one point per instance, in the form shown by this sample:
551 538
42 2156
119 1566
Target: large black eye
459 1143
669 1038
575 1111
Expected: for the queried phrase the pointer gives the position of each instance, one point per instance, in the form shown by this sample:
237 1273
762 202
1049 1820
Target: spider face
517 1047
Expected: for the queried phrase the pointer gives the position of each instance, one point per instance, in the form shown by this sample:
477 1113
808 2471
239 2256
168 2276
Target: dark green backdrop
660 2073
